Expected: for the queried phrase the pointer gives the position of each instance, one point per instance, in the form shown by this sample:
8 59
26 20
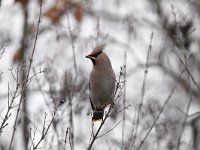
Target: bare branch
27 77
110 129
124 103
134 133
160 112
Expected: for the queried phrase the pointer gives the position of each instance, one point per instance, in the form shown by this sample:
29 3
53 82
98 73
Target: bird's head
97 56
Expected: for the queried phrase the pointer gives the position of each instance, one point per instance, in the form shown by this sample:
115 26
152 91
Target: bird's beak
87 56
91 57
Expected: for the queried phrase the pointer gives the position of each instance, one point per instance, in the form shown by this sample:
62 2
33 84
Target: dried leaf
23 2
18 56
53 14
78 13
56 11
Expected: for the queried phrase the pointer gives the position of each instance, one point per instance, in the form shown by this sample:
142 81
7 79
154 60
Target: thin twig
189 75
10 104
122 110
45 131
72 45
110 129
101 125
2 50
194 115
184 122
189 72
75 80
27 77
65 139
160 112
134 136
124 104
33 138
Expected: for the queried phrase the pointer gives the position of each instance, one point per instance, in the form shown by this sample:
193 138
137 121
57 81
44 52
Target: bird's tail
97 115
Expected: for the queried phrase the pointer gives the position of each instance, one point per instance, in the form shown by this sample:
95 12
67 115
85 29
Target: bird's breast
102 89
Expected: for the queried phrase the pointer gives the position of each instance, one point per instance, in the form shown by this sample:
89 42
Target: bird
101 82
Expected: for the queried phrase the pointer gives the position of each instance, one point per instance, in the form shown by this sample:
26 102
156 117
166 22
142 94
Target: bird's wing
90 98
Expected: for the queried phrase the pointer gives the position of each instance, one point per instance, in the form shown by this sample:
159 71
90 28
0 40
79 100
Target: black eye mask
97 54
93 57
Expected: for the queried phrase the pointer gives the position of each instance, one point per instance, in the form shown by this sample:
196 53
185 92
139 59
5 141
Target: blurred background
44 75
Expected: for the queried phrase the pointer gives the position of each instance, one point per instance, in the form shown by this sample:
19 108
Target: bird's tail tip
97 116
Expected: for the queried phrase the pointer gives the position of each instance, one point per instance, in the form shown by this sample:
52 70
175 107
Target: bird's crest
97 50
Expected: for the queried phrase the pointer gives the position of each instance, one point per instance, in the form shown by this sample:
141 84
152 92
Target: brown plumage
102 81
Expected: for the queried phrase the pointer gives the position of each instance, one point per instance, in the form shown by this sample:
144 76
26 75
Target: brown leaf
54 14
57 11
18 56
23 2
78 13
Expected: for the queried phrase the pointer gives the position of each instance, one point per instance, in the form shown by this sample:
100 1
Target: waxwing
102 82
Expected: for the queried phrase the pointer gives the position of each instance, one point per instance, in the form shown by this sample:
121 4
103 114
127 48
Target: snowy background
156 117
